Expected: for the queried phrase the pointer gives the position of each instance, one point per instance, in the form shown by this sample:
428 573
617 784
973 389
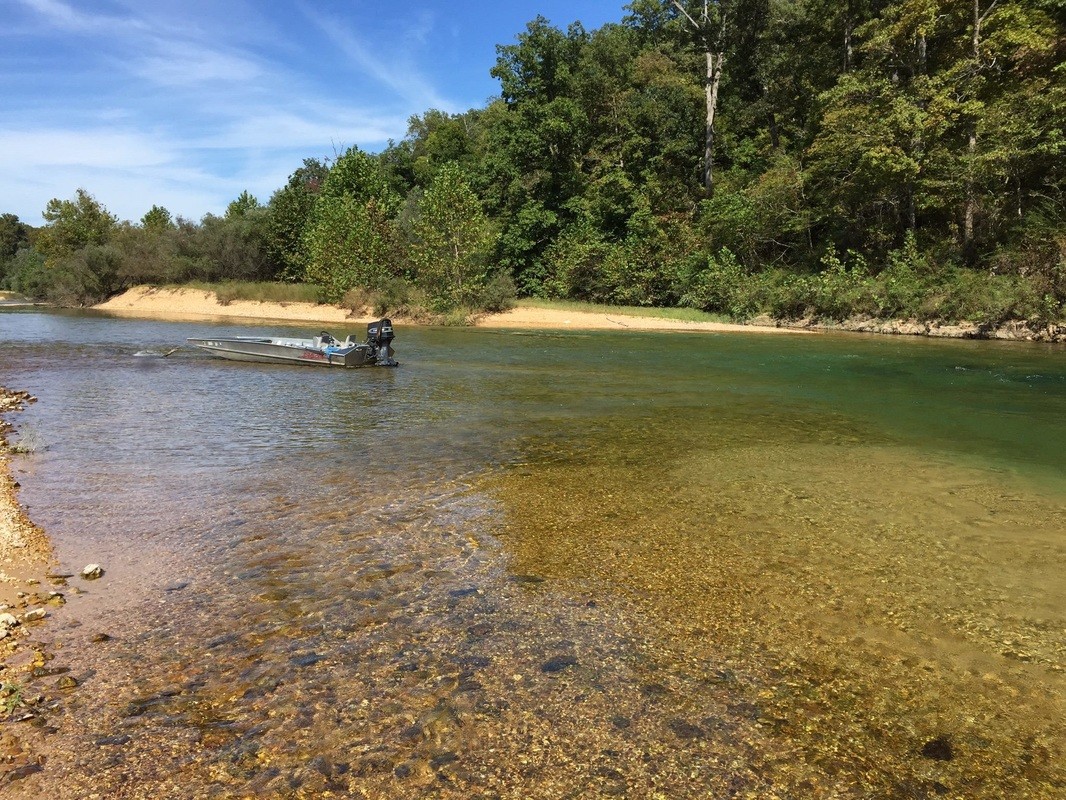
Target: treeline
791 157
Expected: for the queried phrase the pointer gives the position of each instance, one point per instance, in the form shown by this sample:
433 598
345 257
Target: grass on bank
578 307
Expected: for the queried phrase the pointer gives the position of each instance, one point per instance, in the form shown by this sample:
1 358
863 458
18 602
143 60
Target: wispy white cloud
100 148
275 128
185 103
190 63
397 70
68 17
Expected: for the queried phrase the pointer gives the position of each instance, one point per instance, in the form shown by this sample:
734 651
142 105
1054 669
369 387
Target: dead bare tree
711 27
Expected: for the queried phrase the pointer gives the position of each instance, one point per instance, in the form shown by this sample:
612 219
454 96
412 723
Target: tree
536 140
157 219
289 215
14 234
245 204
453 241
351 236
74 224
712 26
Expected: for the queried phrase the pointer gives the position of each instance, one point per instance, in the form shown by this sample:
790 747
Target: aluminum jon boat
323 350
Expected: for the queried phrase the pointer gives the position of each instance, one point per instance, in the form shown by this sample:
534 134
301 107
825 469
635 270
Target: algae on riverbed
898 617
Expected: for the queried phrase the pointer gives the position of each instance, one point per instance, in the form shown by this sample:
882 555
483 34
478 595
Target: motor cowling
379 335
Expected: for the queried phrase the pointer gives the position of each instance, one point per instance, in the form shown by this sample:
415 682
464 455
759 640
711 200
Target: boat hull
291 351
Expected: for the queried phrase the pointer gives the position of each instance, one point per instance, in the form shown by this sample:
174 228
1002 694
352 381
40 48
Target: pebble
92 571
34 615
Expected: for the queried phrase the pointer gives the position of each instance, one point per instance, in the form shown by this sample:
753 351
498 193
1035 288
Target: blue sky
187 103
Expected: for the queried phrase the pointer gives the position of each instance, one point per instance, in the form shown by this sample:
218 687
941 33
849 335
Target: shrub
722 286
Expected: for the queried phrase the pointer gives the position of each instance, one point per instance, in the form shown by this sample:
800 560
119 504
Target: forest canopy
789 157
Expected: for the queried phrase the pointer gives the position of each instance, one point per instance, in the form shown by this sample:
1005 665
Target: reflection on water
525 566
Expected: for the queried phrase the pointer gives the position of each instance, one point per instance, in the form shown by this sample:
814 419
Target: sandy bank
148 301
176 303
25 551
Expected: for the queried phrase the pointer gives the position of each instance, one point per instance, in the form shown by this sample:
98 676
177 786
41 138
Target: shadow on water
551 566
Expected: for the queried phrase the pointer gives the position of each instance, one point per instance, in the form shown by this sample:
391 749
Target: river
548 565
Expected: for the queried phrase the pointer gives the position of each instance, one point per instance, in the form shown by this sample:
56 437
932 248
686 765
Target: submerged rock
92 571
558 664
938 749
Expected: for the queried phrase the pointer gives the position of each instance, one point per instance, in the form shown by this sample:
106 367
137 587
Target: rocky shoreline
25 599
1014 331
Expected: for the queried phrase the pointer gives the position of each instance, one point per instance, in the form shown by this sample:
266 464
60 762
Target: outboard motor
379 336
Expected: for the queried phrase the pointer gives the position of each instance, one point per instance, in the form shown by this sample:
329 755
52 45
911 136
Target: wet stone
745 710
558 664
938 749
479 631
443 759
306 660
91 572
112 741
24 771
97 638
685 730
474 662
529 580
465 592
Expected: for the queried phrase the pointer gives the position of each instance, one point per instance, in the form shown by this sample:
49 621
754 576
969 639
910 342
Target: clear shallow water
565 565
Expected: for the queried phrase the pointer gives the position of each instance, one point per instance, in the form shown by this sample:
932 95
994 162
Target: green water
532 565
872 532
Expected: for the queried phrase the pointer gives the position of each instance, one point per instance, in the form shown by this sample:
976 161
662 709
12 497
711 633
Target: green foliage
897 159
498 294
290 210
74 224
27 274
349 244
236 246
351 236
157 219
10 696
723 286
243 206
258 291
14 235
453 241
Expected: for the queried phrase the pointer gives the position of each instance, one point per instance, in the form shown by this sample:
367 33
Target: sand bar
146 301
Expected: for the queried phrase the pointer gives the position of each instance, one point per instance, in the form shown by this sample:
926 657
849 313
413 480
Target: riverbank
147 301
160 303
25 556
24 549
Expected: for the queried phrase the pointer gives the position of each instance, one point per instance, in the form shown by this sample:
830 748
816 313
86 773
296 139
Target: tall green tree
535 145
289 216
74 224
157 219
245 204
351 235
453 241
14 234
